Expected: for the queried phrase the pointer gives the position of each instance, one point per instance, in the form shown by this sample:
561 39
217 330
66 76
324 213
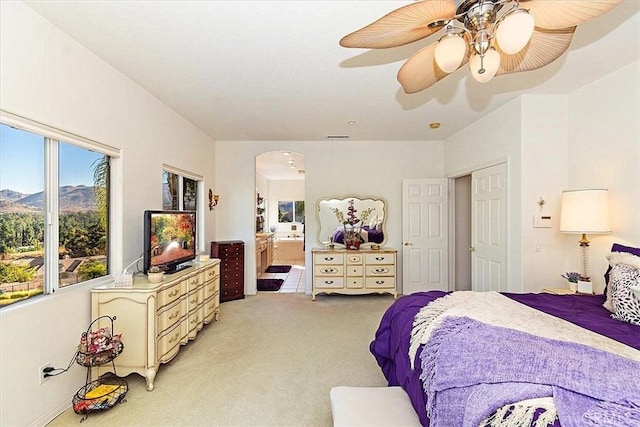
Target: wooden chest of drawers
156 319
231 255
354 272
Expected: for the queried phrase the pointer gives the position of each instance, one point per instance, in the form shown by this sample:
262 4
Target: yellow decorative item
101 390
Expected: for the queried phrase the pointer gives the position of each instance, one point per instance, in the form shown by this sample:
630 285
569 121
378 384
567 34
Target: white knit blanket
496 309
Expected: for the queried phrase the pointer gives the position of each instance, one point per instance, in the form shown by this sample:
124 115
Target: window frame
52 137
200 198
294 219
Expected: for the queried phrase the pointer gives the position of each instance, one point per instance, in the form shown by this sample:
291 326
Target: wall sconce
213 200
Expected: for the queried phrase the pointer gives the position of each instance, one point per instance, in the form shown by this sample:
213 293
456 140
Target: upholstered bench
372 406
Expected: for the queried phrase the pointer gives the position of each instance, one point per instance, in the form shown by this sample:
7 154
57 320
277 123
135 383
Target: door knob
408 244
472 249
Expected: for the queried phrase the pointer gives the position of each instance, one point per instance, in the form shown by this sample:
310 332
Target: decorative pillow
617 247
625 279
619 257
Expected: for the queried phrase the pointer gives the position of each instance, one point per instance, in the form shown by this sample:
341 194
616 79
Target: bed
483 358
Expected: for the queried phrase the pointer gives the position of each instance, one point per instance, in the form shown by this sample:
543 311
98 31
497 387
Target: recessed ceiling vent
337 136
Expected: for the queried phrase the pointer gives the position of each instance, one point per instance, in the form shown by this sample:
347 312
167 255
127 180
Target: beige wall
49 78
588 139
333 168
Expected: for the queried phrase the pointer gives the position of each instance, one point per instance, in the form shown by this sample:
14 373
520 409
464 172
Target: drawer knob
328 282
174 293
379 258
380 270
379 282
328 258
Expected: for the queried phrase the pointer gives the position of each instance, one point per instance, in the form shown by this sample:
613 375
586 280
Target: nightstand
559 291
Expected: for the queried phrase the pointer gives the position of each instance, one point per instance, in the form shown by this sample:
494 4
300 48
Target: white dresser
155 319
364 271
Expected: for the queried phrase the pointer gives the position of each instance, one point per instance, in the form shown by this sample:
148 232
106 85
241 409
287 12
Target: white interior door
424 235
489 228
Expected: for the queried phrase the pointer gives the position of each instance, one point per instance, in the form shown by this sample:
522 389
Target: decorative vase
353 245
155 277
351 239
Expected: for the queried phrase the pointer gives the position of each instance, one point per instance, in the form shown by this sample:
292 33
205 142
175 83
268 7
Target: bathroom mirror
331 230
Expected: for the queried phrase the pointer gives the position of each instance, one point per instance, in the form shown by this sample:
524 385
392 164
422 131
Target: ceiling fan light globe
485 69
515 31
449 52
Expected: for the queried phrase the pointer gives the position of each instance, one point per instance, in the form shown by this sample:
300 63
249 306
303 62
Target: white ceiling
273 70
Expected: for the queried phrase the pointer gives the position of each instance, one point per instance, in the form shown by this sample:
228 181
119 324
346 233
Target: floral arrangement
352 224
572 277
99 341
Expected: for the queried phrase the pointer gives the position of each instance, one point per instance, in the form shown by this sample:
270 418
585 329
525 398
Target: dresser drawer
195 298
355 282
194 281
380 258
381 270
210 288
328 259
328 282
170 295
328 270
354 259
211 273
231 275
231 250
169 344
234 264
380 282
210 306
170 315
354 270
195 321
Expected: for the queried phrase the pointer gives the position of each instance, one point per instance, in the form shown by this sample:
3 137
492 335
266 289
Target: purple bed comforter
391 344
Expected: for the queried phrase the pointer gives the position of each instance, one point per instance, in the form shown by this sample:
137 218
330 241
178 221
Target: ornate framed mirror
370 213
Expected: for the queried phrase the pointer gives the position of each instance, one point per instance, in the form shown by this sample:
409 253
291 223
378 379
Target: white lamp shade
491 64
515 31
585 212
449 52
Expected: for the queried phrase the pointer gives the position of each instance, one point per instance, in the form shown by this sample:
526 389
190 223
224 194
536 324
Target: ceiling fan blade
555 14
544 47
420 71
402 26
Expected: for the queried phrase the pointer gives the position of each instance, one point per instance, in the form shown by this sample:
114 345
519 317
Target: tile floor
293 280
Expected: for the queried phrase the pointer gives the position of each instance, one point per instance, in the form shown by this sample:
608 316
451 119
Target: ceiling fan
494 36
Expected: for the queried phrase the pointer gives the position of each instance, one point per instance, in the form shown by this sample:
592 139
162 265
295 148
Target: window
179 192
291 211
41 171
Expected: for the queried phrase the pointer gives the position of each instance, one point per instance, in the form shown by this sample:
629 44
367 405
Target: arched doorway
280 218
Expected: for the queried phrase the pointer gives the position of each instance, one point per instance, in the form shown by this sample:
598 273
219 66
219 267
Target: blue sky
22 162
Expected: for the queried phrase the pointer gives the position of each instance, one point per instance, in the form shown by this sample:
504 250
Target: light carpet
271 360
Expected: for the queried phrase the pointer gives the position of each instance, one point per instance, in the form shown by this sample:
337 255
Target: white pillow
625 299
616 258
373 222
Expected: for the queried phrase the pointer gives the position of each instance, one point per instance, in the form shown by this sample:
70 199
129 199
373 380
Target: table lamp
585 212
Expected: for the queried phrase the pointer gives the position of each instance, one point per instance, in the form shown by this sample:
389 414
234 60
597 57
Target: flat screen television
169 240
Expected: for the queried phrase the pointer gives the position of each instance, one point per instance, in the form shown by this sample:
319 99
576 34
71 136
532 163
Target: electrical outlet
41 372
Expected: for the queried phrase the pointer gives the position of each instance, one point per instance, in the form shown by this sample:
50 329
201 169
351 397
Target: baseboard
53 413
